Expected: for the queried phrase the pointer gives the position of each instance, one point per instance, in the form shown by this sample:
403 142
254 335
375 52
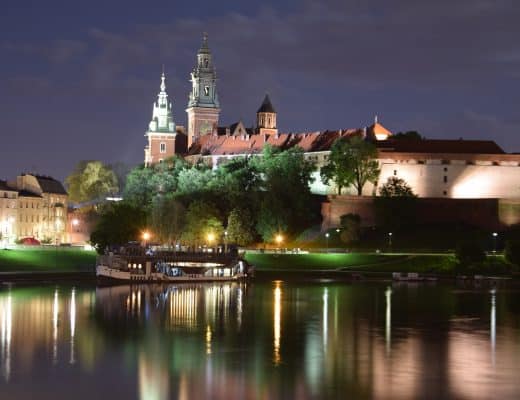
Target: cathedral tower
161 132
203 106
266 117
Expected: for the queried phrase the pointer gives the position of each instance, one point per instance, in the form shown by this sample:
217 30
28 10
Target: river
262 340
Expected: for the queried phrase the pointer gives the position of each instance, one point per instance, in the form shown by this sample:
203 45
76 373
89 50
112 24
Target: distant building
33 206
165 139
433 168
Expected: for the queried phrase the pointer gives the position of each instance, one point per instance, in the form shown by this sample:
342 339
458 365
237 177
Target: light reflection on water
271 340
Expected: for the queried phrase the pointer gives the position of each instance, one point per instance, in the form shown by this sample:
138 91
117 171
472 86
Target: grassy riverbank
373 262
47 260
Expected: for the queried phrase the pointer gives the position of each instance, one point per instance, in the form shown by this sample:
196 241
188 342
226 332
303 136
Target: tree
91 180
195 180
140 187
167 218
352 161
512 251
271 222
240 227
350 227
287 204
470 252
408 135
118 224
202 220
396 187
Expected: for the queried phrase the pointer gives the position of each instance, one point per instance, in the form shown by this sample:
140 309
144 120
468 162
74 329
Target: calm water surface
272 340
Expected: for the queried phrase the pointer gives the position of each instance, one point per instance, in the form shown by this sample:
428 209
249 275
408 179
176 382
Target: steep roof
266 106
440 146
5 186
252 144
50 185
27 193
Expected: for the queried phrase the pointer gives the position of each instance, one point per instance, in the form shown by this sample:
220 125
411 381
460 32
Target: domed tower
161 132
266 118
203 105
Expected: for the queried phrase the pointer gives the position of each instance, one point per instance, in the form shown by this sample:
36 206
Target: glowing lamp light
75 222
146 236
211 237
279 239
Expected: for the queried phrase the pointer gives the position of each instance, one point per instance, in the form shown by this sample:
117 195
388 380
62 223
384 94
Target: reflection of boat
411 277
178 267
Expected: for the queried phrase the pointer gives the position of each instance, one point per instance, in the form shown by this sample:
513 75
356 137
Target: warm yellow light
279 238
146 235
75 222
211 237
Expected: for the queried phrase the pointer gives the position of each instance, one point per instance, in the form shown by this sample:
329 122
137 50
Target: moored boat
177 267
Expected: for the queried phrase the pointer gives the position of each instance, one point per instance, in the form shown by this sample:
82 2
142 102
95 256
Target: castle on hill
457 169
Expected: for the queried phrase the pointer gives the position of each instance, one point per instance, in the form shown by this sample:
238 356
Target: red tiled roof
251 144
440 146
322 141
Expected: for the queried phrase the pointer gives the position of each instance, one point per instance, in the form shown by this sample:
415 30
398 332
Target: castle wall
492 214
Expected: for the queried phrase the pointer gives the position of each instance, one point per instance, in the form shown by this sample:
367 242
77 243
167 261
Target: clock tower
203 106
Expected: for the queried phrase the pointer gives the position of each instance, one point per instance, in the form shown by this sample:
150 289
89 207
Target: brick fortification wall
484 213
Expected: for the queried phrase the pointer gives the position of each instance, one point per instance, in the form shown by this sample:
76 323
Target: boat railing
121 261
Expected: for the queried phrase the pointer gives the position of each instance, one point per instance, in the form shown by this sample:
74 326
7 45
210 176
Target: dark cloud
446 68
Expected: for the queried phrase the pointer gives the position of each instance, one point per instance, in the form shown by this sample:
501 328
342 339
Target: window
160 160
163 147
445 193
445 179
395 172
445 169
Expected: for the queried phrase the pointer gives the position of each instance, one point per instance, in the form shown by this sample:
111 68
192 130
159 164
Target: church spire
162 119
163 83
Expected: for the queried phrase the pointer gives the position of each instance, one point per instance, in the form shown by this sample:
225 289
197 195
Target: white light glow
277 326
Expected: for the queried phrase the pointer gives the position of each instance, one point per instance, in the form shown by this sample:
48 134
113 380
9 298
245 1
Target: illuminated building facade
33 206
453 169
164 137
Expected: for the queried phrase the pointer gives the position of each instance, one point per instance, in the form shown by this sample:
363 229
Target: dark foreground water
270 340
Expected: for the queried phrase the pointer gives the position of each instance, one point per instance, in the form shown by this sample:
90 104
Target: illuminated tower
161 132
203 106
266 117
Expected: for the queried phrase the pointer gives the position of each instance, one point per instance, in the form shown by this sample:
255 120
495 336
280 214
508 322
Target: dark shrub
470 252
512 251
350 227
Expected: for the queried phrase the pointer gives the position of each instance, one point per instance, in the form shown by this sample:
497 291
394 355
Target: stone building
8 212
33 206
453 169
165 139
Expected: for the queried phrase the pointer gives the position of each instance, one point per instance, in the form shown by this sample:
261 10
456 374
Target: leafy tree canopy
408 135
352 161
91 180
396 187
240 227
202 219
167 218
118 224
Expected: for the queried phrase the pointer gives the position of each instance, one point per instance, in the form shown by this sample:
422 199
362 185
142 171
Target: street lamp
495 234
390 239
210 238
278 239
146 237
327 236
225 241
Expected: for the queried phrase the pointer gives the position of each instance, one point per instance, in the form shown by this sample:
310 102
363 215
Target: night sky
78 79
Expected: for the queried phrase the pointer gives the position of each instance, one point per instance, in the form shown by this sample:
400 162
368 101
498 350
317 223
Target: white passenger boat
180 267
